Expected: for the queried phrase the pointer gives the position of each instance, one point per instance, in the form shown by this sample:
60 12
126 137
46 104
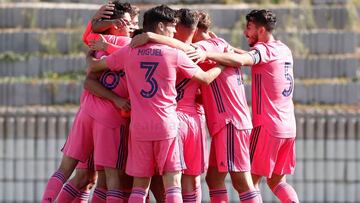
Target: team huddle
151 94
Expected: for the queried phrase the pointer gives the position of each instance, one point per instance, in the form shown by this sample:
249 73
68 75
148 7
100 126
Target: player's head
121 11
134 19
203 25
161 20
259 23
186 25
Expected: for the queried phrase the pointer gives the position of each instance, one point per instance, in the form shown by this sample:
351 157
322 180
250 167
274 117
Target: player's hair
204 21
137 32
156 15
120 9
134 11
262 17
188 18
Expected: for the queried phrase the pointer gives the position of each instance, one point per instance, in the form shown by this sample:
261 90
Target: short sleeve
86 33
115 61
262 50
185 65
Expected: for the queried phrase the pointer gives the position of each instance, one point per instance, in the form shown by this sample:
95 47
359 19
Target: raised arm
105 12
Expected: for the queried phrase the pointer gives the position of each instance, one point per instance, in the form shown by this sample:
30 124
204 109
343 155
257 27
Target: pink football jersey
151 75
272 89
224 99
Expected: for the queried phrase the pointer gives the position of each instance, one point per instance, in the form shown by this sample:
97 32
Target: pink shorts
88 164
147 158
271 154
229 150
87 136
193 138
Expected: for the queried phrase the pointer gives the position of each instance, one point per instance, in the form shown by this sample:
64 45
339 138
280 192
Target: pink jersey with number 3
151 74
272 89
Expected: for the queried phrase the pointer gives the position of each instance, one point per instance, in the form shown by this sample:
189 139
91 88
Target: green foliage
48 43
353 16
77 76
12 56
30 18
76 44
296 45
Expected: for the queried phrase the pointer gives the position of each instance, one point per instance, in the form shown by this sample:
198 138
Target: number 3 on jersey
151 67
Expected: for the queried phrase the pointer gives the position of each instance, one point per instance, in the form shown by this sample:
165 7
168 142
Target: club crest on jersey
111 79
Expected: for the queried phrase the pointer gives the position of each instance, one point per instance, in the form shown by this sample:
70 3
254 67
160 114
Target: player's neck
267 38
205 36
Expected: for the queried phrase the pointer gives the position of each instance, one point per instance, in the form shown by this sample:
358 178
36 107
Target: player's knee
273 181
213 181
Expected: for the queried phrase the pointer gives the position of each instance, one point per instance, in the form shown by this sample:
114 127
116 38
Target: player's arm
94 64
93 85
206 77
146 37
100 43
238 51
231 59
105 12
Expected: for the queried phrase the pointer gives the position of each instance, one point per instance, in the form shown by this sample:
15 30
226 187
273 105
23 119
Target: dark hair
188 18
204 21
134 11
156 15
262 17
120 9
137 32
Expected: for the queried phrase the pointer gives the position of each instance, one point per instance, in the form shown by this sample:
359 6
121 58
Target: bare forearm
172 42
227 59
99 26
95 88
208 76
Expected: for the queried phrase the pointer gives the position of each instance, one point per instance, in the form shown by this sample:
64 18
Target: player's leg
172 185
99 195
239 163
110 152
77 189
86 180
285 164
170 160
193 142
215 180
57 180
141 165
140 189
157 188
190 185
216 183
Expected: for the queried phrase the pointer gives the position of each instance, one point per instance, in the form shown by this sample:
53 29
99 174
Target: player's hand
122 23
123 104
197 55
105 11
99 44
139 40
212 35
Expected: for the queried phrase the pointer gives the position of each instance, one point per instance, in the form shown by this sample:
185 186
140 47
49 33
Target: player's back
224 99
272 89
151 74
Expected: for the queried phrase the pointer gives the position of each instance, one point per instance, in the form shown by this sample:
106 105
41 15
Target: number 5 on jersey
151 67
